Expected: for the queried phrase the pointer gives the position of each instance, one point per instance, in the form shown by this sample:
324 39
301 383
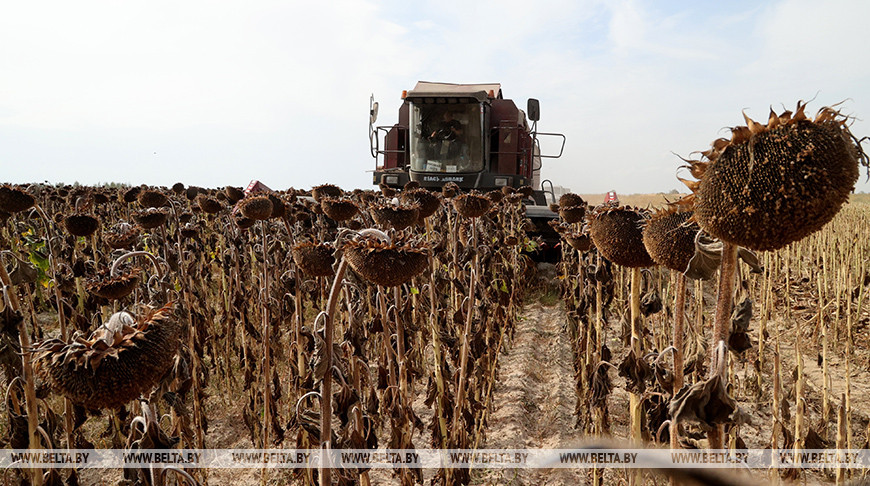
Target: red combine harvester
467 134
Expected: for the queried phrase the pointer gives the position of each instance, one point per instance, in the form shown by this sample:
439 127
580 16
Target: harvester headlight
390 179
502 181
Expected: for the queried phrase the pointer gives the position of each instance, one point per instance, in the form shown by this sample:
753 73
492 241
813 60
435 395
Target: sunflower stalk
635 404
677 340
842 442
27 369
199 439
326 383
267 333
722 329
435 329
466 336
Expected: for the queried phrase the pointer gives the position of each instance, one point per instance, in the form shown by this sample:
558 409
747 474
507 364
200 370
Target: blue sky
219 93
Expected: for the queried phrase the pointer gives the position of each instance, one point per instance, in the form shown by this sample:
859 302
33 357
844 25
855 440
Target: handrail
375 138
546 134
552 192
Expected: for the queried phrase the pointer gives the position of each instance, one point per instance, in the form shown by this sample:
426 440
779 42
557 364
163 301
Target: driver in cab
446 139
448 129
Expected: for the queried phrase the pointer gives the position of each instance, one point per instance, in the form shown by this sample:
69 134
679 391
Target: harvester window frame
463 155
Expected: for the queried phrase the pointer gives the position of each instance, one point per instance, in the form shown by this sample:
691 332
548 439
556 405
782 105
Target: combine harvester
468 134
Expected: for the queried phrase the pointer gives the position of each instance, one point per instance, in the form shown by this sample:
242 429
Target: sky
219 93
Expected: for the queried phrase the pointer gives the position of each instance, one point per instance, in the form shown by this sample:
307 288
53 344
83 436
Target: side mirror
534 110
373 110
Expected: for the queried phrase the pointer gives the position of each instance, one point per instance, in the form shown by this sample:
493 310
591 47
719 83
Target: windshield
446 137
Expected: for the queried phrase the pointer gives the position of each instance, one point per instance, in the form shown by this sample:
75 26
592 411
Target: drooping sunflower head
773 184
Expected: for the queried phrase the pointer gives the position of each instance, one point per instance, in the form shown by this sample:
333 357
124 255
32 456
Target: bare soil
534 398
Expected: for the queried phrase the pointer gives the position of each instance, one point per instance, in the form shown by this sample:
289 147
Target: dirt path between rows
534 397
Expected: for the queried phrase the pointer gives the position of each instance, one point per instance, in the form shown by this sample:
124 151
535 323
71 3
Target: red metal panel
525 155
396 141
503 111
506 125
257 186
395 147
508 141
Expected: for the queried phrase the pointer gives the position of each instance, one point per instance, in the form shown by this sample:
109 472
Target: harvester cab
468 134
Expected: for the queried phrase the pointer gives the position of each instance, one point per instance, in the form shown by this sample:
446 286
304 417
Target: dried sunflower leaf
706 403
708 256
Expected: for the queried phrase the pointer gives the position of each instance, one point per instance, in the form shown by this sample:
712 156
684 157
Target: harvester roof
480 91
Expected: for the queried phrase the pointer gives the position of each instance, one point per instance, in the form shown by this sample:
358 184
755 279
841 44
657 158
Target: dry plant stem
436 349
463 362
849 344
679 316
698 324
326 384
799 392
635 405
825 373
841 438
636 346
298 305
52 264
131 254
479 433
722 319
194 372
599 312
29 390
466 334
400 344
228 334
453 243
199 440
386 345
267 358
721 327
439 382
61 318
593 349
777 397
766 297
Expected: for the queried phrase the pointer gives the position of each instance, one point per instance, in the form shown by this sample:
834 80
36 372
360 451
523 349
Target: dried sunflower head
256 207
234 194
152 199
339 209
427 200
579 241
572 214
669 237
104 285
13 199
314 259
472 205
570 199
401 216
118 362
81 224
773 184
121 235
208 204
325 190
386 264
617 234
131 194
151 218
